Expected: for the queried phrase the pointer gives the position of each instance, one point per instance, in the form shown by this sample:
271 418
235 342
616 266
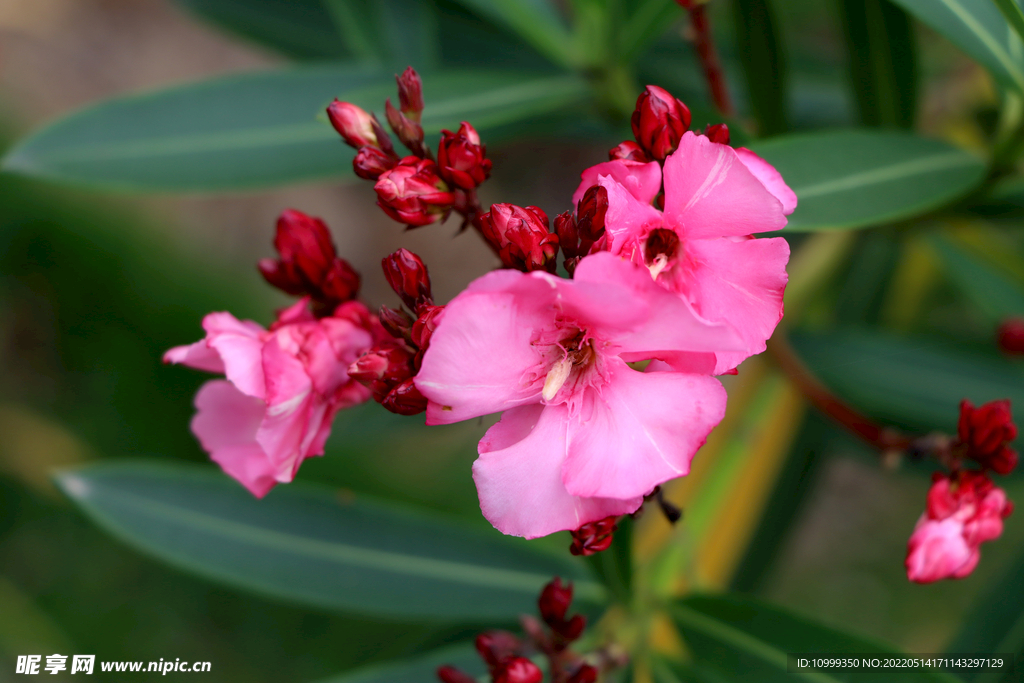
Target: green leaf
296 28
764 64
883 63
396 33
991 292
420 669
860 178
913 383
1013 14
326 550
648 19
261 129
535 21
748 641
977 28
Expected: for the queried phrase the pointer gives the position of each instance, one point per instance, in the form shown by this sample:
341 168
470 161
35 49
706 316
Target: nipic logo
30 664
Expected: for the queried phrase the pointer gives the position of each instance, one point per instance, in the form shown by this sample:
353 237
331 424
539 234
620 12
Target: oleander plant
652 376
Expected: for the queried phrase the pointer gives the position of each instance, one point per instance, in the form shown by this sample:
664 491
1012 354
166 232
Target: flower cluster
965 508
605 380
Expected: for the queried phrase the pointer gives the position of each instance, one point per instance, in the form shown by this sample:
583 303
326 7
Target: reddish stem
705 44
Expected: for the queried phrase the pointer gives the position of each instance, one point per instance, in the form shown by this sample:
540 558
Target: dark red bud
659 122
497 647
985 433
585 674
408 277
370 162
309 263
554 600
462 159
353 123
590 215
397 323
409 132
449 674
425 325
521 237
413 193
518 670
593 537
410 94
405 399
717 133
1011 336
389 364
628 150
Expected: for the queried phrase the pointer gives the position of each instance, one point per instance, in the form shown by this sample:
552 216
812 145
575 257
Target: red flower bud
413 193
449 674
568 236
985 433
408 276
309 263
521 237
554 600
370 162
397 323
518 670
585 674
1011 336
425 325
405 399
717 133
590 216
389 364
462 159
409 132
593 537
628 150
410 94
497 647
659 121
354 124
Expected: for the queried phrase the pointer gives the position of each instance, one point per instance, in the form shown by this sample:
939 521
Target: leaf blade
536 21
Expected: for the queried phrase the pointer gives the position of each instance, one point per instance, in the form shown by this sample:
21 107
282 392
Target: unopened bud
409 132
388 364
1011 336
462 159
585 674
521 237
985 433
659 122
425 325
554 600
449 674
628 150
413 193
410 94
397 323
590 215
593 537
354 124
408 277
518 670
370 162
717 133
496 647
405 399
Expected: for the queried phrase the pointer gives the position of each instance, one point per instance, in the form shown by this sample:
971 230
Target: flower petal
937 550
294 413
627 221
639 431
240 345
519 481
641 180
769 177
709 192
199 356
226 424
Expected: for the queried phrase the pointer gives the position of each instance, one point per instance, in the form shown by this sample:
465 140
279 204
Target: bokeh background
94 287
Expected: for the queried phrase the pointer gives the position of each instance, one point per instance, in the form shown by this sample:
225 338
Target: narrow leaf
261 129
311 546
535 21
991 292
419 669
1011 10
859 178
395 33
977 28
764 64
648 20
883 62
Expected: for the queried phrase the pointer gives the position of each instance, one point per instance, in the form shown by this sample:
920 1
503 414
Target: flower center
578 355
660 249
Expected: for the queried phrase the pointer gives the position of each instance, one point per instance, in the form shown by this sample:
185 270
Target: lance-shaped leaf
318 548
535 21
419 669
261 129
989 290
764 64
977 28
860 178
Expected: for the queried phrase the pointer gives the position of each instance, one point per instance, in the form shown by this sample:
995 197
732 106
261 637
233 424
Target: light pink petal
481 357
199 356
226 424
654 322
769 177
739 283
239 344
642 180
709 192
937 550
518 476
627 221
639 431
293 410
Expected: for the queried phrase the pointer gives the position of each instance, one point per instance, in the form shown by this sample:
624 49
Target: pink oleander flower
282 390
701 246
963 511
584 436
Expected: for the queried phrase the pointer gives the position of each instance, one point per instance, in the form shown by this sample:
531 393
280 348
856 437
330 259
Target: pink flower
701 246
283 388
963 511
584 436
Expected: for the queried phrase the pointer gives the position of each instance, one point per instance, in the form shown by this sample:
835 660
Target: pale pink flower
283 387
583 435
701 246
963 511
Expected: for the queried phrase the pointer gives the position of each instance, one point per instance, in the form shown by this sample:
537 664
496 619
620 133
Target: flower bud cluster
389 368
582 234
593 537
521 236
415 190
